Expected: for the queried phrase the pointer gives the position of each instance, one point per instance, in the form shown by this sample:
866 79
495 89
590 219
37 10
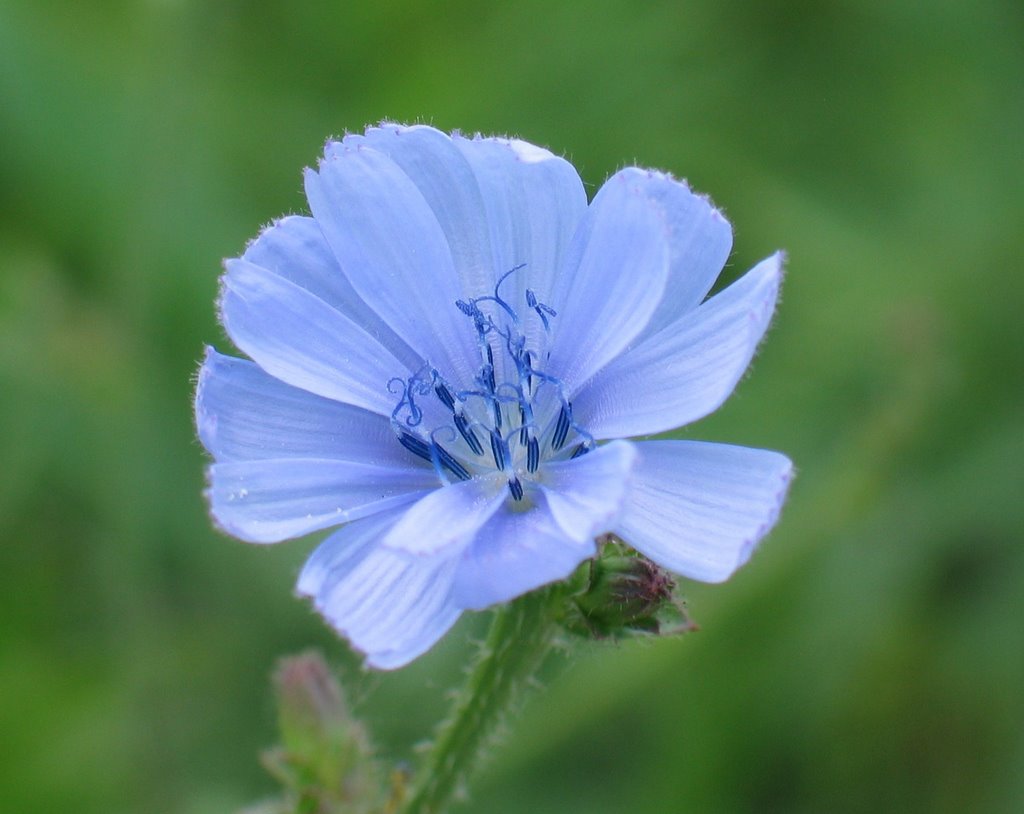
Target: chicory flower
444 358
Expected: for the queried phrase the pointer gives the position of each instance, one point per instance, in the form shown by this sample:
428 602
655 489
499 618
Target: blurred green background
871 657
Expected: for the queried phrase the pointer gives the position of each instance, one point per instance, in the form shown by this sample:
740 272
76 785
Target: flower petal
520 549
391 607
394 252
534 201
271 500
447 183
615 276
585 494
447 517
300 339
244 414
295 248
515 552
699 509
686 370
700 242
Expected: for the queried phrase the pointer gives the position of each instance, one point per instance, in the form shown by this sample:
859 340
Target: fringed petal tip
774 511
391 607
700 509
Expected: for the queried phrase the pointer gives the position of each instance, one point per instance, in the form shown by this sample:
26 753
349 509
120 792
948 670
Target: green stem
517 643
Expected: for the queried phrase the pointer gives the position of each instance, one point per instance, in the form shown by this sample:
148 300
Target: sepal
325 762
620 594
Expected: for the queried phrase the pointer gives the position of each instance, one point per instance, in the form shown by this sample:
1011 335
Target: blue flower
438 354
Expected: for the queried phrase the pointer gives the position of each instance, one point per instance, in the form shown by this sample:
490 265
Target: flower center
510 418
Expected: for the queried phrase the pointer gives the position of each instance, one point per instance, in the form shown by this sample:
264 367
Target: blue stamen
445 395
516 488
441 457
415 445
488 370
497 413
562 427
466 431
415 414
582 449
498 450
452 465
506 275
497 299
522 390
532 455
542 310
501 304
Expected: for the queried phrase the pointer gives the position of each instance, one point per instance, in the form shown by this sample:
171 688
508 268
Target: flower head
443 358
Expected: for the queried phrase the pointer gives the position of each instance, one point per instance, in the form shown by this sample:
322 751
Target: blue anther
445 395
562 427
466 431
503 321
498 450
582 449
415 445
532 455
450 463
516 488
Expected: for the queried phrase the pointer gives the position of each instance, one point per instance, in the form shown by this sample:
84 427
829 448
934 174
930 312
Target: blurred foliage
870 658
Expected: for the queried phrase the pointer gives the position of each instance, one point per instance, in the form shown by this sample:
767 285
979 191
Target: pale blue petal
446 182
700 509
390 606
342 551
295 248
243 413
395 254
534 201
700 242
515 552
520 549
686 370
300 339
272 500
623 253
585 494
447 518
432 620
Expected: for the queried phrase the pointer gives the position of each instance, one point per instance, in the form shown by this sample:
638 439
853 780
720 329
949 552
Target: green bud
621 593
311 706
325 761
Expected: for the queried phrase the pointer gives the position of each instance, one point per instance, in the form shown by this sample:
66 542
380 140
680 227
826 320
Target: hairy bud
621 593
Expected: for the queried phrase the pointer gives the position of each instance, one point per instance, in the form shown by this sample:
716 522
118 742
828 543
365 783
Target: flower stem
519 639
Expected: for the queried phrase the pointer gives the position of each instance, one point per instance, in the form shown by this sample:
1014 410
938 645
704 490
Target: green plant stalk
518 641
